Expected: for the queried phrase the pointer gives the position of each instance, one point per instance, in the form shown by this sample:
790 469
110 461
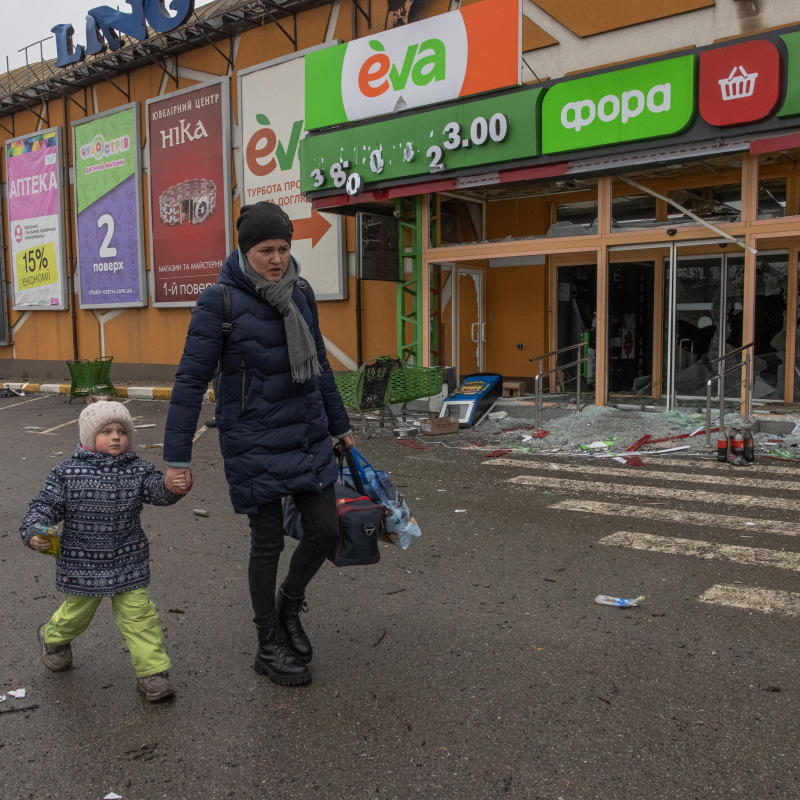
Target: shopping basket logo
739 83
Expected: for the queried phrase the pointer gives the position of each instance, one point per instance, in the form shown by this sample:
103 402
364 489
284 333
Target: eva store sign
105 24
466 52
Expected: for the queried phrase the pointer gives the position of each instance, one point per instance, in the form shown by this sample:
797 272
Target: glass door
470 327
705 310
630 327
576 322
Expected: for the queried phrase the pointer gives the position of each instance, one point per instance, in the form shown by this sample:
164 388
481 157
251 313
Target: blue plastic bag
401 527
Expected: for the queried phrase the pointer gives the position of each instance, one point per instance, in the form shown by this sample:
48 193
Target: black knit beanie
262 221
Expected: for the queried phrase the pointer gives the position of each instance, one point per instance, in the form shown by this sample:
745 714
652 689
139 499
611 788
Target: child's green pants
136 617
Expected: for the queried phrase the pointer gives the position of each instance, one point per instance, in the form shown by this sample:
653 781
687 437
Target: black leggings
320 530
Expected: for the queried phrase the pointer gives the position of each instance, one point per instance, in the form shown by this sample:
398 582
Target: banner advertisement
272 124
189 179
108 207
35 207
5 331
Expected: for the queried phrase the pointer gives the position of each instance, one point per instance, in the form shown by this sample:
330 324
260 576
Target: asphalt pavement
476 664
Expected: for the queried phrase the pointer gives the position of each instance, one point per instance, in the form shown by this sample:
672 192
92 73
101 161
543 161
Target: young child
98 493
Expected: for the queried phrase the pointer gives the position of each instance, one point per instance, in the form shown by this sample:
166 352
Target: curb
131 392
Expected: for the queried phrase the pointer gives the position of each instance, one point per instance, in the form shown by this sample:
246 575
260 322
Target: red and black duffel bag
360 521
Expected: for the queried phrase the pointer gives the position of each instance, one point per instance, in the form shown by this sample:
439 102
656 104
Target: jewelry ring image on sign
191 201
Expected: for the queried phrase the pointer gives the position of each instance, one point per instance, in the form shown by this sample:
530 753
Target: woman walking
277 409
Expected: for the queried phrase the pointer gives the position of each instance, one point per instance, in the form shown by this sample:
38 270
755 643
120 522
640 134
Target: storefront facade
648 211
653 216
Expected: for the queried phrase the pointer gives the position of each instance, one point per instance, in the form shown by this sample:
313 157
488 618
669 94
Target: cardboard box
433 426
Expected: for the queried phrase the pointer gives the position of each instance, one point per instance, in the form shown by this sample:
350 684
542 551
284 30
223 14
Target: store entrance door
630 327
704 309
576 321
457 327
470 326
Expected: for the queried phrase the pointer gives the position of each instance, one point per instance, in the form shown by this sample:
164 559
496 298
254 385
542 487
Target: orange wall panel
515 297
45 335
147 336
588 17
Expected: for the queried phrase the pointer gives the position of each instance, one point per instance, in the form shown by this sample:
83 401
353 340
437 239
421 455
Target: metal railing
747 380
537 381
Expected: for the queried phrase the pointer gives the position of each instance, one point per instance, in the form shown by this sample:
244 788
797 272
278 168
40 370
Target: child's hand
178 480
39 543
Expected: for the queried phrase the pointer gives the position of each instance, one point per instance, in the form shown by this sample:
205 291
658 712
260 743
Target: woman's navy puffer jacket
275 435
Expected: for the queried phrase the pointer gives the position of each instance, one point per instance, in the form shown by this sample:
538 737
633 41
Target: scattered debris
415 443
497 453
11 709
200 512
380 638
620 602
148 425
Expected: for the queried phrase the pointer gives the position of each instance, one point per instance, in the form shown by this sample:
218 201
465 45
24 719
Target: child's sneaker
155 687
56 657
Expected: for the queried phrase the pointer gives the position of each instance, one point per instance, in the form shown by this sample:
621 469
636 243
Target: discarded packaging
434 426
498 414
200 512
620 602
405 433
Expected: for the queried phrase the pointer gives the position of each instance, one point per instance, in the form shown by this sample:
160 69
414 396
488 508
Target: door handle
474 331
483 331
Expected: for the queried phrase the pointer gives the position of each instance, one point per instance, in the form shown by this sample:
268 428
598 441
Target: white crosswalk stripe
753 598
652 492
745 524
629 493
721 479
691 547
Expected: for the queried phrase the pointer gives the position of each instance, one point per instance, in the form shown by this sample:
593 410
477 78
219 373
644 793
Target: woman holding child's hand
277 409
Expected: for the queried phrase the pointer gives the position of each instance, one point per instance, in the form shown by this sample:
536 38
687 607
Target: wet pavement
476 664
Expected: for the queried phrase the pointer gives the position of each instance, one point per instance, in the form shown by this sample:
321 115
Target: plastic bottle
736 454
620 602
749 447
722 445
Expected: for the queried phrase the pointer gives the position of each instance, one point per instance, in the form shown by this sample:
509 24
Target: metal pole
708 411
748 387
536 400
721 394
671 327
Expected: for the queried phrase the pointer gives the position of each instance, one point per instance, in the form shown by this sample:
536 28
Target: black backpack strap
305 289
227 325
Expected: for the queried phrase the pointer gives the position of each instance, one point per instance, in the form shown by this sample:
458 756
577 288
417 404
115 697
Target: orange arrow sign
313 227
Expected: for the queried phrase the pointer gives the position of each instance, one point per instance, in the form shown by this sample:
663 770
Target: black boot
277 661
288 609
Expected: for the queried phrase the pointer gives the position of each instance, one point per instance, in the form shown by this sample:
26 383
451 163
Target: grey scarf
299 339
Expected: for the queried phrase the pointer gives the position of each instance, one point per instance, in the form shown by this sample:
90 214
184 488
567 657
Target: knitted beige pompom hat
97 415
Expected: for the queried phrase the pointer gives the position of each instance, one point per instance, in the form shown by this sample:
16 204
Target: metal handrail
556 352
720 376
537 387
